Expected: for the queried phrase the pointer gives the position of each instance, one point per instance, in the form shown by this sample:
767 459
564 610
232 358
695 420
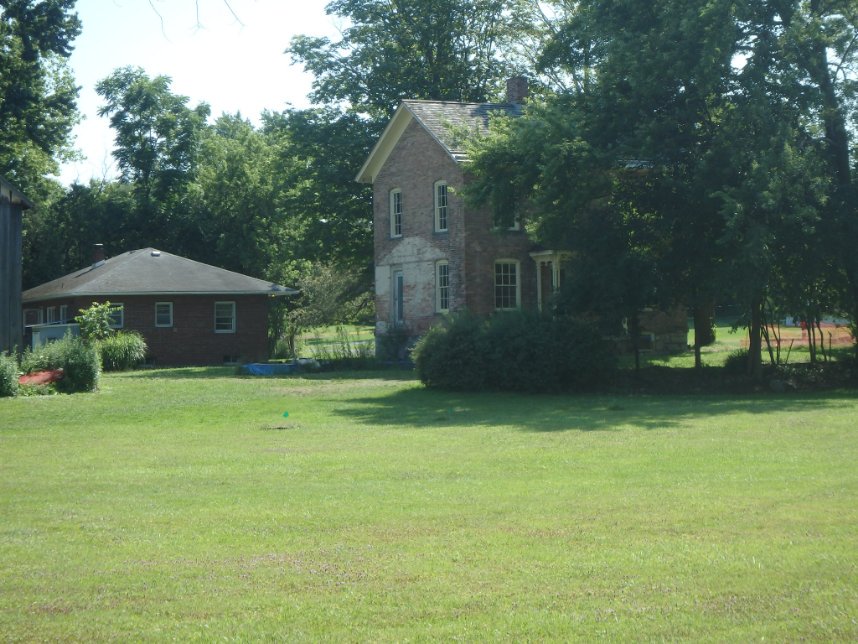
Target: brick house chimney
97 254
516 90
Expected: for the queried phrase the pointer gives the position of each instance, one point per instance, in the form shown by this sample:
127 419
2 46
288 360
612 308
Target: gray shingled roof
448 121
148 271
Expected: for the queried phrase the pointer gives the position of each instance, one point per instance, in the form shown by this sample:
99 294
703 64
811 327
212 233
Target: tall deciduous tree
392 50
157 147
37 92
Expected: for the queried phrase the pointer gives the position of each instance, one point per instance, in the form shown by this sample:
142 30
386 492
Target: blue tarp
263 369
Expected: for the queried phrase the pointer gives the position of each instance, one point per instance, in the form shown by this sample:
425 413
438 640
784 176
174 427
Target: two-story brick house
433 253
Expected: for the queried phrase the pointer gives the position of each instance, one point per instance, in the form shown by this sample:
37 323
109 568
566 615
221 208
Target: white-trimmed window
117 315
442 286
398 289
64 313
52 314
396 213
224 317
507 285
441 209
164 314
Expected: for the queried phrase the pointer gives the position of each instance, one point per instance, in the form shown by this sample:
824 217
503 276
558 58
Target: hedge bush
514 351
453 355
122 350
736 363
8 376
78 359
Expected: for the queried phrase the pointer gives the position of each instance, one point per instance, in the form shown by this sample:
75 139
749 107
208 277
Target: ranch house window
164 314
396 213
442 287
52 314
507 286
117 316
64 313
224 317
440 206
32 316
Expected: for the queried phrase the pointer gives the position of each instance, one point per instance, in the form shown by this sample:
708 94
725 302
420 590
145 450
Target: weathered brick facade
191 340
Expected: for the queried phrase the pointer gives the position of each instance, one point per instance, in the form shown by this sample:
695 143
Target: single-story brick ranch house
189 313
13 203
434 255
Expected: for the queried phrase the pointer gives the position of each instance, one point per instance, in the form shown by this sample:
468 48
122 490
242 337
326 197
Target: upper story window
224 317
507 285
442 286
117 316
396 213
163 314
441 209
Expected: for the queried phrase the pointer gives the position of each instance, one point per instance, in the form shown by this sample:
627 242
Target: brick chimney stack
97 254
516 90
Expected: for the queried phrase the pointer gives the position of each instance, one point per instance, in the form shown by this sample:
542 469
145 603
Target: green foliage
329 295
428 49
78 359
453 355
736 364
515 351
8 375
122 351
95 322
392 345
38 106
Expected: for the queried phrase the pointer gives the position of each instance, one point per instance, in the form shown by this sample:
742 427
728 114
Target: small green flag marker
285 414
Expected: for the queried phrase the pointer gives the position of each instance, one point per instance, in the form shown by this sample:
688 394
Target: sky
235 63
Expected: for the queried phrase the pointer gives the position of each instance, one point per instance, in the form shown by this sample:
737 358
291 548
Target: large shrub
123 350
452 355
8 375
78 359
514 351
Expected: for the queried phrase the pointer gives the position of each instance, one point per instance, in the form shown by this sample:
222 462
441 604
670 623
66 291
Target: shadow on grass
424 409
183 373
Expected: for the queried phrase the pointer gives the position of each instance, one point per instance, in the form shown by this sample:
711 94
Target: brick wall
192 339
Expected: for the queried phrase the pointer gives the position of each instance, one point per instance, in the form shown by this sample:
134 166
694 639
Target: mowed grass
183 505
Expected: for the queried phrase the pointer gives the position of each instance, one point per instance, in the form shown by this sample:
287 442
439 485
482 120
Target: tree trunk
755 362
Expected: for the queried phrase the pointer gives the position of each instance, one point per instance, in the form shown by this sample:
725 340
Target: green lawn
183 505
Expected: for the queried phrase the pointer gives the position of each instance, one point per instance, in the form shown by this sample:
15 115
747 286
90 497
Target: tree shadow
426 409
183 373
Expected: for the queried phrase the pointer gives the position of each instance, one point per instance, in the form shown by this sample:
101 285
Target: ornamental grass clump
122 351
